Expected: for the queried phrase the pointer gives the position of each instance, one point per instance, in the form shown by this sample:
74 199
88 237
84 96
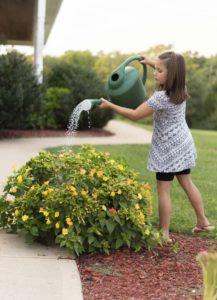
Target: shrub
56 108
20 94
85 201
75 71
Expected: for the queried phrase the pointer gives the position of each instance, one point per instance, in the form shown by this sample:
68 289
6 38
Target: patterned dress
172 147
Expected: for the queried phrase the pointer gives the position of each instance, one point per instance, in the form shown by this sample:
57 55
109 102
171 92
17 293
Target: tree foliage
79 75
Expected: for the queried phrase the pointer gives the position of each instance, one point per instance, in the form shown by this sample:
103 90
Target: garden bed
169 272
21 133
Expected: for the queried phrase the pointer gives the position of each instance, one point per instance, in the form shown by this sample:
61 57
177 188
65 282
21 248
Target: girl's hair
175 85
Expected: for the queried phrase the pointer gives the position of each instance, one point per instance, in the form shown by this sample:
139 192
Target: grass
204 176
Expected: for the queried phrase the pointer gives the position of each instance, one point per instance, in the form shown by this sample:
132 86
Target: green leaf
34 230
102 222
119 243
110 225
91 239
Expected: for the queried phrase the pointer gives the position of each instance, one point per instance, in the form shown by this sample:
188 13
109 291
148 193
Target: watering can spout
88 104
125 86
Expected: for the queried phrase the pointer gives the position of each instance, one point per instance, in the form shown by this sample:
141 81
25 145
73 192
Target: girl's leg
195 198
164 207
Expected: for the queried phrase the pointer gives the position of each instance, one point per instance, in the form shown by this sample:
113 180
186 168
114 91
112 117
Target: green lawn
204 176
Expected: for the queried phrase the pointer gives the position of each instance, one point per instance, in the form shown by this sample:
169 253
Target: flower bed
84 201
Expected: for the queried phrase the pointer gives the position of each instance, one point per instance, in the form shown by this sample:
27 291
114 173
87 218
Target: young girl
172 150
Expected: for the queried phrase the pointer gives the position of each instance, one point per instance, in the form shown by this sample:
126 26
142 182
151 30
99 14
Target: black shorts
170 176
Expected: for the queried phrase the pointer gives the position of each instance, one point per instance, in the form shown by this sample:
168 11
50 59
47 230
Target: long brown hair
175 85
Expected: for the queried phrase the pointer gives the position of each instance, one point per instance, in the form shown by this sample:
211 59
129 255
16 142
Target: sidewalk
34 271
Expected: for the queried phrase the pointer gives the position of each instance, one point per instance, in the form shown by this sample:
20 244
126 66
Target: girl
172 150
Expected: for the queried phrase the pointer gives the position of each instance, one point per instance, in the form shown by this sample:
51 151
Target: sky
133 26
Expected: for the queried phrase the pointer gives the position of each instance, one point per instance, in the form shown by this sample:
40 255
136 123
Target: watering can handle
137 57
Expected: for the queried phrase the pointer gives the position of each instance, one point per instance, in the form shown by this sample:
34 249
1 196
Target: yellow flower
105 178
119 192
41 209
100 173
129 181
25 218
13 189
61 155
45 193
20 179
16 212
112 194
56 214
69 221
65 231
46 182
28 169
148 194
147 232
141 218
137 206
104 207
32 188
147 186
82 171
92 172
45 213
72 188
75 194
157 235
57 225
139 196
121 167
83 193
48 221
150 209
111 161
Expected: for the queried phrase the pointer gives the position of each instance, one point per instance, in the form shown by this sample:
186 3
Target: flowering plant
208 264
84 201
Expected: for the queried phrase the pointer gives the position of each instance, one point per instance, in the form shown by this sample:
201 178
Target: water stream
74 119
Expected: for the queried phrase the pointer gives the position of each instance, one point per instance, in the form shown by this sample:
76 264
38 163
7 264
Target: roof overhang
18 20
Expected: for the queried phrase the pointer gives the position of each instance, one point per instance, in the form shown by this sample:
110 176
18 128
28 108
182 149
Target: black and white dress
172 147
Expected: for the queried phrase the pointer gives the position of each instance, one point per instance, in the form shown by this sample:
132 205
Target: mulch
19 133
165 273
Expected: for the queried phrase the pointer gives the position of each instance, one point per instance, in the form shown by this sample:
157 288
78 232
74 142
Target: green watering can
125 87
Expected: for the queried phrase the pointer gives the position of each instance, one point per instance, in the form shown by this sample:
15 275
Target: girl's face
160 73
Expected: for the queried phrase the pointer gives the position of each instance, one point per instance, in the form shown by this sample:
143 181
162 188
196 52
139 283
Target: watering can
125 87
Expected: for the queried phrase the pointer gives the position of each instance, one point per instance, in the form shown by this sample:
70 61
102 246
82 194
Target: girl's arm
140 112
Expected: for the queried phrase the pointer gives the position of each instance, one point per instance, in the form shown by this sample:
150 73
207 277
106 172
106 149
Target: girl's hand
147 61
105 104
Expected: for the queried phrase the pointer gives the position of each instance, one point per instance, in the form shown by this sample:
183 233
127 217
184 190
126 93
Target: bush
84 201
75 71
20 94
56 108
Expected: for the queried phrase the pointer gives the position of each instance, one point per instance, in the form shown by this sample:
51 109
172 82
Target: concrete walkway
35 271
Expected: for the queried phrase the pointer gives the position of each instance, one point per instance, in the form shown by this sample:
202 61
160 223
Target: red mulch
160 274
21 133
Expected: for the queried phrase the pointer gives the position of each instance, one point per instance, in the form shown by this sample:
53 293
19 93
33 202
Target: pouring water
85 105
